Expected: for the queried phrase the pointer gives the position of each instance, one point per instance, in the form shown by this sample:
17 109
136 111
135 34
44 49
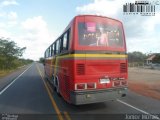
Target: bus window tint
95 34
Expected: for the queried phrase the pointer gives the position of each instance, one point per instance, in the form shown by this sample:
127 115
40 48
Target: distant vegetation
137 56
9 55
41 60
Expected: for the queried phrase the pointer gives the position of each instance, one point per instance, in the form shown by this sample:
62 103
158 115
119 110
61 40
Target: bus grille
80 69
123 68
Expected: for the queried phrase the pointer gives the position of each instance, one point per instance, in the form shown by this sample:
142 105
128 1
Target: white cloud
36 29
32 33
2 14
143 44
2 25
36 37
101 7
35 23
8 19
12 15
12 19
11 24
4 33
151 23
142 33
8 2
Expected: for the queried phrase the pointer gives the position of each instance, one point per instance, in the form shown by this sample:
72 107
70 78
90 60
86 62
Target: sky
35 24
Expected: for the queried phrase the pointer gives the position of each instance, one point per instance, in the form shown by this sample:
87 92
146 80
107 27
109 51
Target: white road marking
142 111
2 91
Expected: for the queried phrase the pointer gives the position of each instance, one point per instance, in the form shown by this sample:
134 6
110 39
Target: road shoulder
4 81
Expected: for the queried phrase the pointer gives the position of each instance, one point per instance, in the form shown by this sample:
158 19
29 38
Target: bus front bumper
94 96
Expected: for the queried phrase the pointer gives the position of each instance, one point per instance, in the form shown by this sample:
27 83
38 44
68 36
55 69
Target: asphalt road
25 94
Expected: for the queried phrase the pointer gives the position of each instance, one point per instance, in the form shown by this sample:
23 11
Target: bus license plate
104 80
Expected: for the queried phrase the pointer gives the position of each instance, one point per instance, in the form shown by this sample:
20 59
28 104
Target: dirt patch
145 82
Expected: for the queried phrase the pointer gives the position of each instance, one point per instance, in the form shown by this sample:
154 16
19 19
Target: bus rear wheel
57 86
53 83
45 76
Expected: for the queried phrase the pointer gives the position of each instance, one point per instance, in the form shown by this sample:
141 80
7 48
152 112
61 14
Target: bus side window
52 49
47 53
65 41
57 47
60 44
65 44
50 53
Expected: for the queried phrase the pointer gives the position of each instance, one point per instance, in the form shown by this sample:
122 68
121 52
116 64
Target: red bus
88 63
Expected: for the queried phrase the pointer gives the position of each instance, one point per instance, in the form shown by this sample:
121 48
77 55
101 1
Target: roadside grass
6 72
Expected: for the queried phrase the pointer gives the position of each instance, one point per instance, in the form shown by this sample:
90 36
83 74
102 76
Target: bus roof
97 16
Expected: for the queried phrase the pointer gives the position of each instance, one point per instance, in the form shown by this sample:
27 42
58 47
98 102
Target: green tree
156 59
9 52
136 56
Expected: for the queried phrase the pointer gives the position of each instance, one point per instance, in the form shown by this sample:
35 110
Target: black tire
53 83
45 76
57 87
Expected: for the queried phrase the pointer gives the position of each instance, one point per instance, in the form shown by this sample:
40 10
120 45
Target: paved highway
25 94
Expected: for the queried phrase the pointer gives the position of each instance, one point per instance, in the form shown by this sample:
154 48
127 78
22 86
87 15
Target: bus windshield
96 34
